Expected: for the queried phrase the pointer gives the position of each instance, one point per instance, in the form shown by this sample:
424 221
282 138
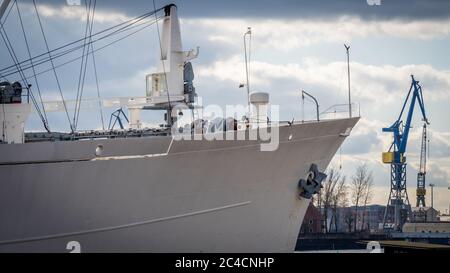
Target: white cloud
78 13
281 34
289 34
374 83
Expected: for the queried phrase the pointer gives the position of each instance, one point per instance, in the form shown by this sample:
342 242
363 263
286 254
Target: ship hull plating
157 195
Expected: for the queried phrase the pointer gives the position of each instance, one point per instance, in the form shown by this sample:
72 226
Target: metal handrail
312 97
336 108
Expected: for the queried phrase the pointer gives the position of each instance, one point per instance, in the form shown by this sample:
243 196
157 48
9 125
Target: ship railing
336 111
339 111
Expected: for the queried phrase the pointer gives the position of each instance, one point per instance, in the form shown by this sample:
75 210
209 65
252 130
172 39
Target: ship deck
122 133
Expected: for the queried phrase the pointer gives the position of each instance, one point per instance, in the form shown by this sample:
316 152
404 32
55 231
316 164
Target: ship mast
172 84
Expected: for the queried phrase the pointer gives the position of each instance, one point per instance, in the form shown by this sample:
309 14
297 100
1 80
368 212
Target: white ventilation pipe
258 109
135 117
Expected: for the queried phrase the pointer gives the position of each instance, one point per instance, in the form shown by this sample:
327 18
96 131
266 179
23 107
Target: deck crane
398 208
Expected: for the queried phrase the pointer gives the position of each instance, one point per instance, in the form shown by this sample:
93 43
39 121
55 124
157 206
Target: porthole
99 150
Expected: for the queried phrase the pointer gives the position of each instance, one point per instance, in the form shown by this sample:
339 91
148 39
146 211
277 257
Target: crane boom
400 130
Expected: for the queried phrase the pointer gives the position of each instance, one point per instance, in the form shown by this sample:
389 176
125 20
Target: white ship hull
156 195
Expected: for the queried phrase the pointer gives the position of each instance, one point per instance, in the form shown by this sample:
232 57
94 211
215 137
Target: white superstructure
12 119
170 77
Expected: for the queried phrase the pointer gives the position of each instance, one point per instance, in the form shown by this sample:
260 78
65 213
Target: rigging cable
82 66
163 66
51 61
19 68
44 118
7 14
87 57
98 89
96 84
12 53
97 49
89 27
3 105
20 71
68 51
50 58
95 71
136 20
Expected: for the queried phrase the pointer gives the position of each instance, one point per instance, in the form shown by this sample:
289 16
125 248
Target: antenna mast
348 75
249 32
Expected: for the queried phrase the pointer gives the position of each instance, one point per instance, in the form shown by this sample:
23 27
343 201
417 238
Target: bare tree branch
360 187
332 195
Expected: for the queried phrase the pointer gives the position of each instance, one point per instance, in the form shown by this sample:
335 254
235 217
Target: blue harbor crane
115 116
398 208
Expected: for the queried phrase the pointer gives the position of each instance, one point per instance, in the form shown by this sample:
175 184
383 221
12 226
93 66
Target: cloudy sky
295 45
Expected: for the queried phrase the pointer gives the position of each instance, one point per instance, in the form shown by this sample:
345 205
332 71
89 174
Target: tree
359 185
339 199
327 192
368 194
332 195
348 219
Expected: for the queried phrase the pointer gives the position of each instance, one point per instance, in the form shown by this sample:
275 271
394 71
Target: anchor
313 182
